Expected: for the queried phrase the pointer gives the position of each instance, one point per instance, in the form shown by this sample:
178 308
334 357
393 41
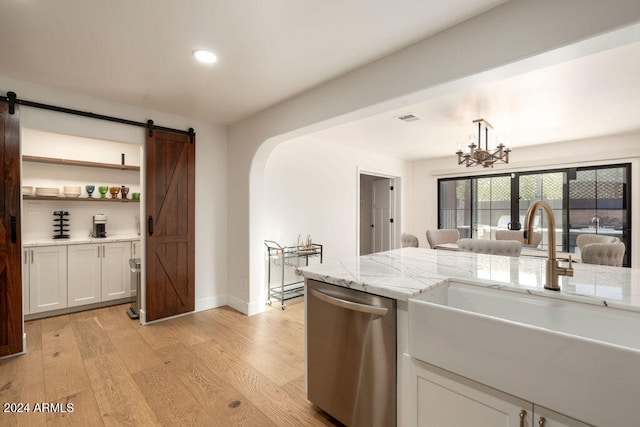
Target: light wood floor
216 367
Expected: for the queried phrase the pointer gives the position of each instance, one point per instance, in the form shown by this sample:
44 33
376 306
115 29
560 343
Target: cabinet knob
542 421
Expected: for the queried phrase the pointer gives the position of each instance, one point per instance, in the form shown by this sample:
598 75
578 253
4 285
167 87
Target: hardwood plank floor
216 367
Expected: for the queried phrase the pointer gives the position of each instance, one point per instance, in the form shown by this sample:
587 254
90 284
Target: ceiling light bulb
205 56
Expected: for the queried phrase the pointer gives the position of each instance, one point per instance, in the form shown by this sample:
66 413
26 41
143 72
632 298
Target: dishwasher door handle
350 305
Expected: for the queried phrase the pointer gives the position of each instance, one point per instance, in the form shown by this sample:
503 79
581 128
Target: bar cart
280 258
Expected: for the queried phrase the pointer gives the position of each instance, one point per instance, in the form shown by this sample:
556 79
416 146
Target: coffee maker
100 225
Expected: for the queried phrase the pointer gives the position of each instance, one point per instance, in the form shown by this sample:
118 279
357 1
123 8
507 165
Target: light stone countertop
74 240
407 272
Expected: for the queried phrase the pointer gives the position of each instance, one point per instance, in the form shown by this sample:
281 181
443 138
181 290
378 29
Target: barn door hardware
11 96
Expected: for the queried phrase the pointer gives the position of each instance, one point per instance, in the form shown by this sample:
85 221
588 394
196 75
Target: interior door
10 241
382 215
170 207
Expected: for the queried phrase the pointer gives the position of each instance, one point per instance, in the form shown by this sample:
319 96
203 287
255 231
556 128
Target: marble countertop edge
405 273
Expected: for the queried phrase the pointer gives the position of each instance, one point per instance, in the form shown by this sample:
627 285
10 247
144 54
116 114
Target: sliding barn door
170 202
10 242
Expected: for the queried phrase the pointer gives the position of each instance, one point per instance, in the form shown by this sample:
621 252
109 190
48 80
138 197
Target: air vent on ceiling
409 117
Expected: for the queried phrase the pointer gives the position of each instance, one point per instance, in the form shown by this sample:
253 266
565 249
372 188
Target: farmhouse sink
558 351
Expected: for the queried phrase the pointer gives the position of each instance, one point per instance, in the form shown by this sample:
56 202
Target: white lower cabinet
47 268
99 272
85 281
116 274
446 399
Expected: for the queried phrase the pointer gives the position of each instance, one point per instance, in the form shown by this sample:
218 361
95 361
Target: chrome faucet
553 266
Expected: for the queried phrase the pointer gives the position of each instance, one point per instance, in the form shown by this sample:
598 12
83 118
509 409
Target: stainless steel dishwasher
351 354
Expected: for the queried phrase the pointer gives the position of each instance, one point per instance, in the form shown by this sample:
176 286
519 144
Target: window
584 200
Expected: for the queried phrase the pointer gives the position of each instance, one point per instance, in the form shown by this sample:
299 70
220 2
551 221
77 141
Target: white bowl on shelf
72 191
47 191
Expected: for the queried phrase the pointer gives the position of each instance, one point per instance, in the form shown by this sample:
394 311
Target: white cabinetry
47 267
443 398
99 272
85 281
116 275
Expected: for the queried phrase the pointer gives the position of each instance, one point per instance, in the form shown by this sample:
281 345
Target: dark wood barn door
170 207
10 242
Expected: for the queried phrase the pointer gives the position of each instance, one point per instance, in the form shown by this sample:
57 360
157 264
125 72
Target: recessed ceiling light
205 56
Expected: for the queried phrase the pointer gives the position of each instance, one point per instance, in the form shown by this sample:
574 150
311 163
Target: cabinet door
84 263
543 417
47 278
116 274
445 399
25 281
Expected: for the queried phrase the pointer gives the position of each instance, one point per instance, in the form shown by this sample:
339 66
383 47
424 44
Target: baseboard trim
201 304
244 307
210 302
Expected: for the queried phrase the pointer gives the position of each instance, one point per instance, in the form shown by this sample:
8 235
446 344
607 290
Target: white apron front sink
577 358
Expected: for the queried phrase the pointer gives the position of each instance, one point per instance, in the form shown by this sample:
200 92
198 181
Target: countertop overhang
407 272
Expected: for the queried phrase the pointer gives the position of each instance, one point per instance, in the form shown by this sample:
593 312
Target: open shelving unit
80 199
81 163
68 162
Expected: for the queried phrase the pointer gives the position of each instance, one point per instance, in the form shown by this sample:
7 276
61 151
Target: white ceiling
593 96
139 52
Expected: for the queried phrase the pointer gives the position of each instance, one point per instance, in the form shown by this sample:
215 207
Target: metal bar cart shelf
283 257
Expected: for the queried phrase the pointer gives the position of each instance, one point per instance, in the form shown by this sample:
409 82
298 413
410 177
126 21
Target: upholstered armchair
409 240
439 236
585 239
603 253
493 247
519 236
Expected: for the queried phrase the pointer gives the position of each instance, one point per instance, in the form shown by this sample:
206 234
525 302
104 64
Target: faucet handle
569 270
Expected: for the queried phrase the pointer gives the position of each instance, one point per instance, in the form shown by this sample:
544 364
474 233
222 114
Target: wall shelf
80 199
55 161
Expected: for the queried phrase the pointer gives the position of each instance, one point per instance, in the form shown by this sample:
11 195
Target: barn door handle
150 225
14 230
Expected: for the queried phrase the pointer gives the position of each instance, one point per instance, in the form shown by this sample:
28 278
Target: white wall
211 167
311 187
597 151
510 34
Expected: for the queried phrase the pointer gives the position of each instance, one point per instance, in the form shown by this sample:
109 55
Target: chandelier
479 156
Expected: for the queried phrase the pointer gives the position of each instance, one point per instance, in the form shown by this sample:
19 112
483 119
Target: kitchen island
403 274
